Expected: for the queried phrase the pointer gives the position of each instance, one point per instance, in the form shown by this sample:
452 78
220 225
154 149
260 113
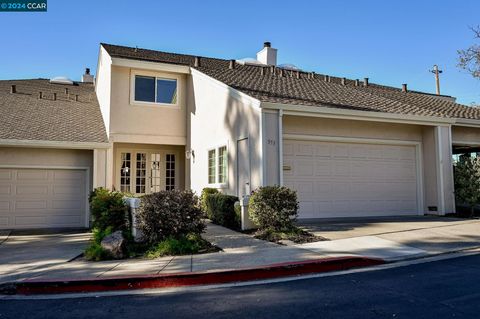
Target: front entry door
243 168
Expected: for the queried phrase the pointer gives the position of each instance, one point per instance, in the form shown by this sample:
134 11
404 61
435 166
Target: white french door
144 172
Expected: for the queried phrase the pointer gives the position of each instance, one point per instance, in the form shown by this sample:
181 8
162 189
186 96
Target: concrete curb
36 287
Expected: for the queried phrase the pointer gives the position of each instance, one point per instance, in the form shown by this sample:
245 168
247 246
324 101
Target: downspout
280 147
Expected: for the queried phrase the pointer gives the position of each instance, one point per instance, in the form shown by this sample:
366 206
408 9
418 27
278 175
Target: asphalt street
441 289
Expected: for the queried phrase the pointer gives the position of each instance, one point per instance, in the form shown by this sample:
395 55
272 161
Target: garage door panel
352 179
34 198
31 190
30 175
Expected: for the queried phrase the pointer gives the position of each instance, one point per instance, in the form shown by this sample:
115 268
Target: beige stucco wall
218 116
45 157
349 128
133 122
179 150
465 135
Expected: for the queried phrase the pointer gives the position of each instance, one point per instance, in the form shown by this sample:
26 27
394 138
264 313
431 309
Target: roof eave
54 144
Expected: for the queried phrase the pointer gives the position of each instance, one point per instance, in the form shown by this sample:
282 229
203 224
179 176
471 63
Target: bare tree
469 59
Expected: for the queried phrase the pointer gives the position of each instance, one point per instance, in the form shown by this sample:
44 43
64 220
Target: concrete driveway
26 252
393 238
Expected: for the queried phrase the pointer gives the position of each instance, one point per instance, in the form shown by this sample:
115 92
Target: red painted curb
32 287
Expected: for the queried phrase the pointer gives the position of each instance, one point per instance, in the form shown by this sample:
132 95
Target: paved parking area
25 252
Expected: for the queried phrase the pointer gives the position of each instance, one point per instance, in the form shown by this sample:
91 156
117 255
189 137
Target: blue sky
391 42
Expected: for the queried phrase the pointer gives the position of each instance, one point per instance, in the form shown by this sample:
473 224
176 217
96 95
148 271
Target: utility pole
437 72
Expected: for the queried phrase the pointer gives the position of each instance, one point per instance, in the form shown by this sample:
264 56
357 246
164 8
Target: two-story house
154 120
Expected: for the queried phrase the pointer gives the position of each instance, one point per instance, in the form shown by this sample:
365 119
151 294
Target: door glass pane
144 88
141 173
154 172
170 172
125 172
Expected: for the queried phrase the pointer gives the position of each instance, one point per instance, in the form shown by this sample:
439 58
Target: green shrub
467 182
108 210
221 210
203 197
274 207
172 213
184 245
95 252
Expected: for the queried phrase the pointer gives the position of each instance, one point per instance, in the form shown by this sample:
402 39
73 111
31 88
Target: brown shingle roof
308 89
27 117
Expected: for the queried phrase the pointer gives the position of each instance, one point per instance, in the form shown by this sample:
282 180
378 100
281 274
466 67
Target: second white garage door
351 179
42 198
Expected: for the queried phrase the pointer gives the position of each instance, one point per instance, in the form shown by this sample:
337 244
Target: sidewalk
244 251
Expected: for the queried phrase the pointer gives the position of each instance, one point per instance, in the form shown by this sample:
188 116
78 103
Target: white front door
243 168
351 179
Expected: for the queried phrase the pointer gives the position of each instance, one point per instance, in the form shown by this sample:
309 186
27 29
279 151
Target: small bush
274 207
172 213
95 252
108 210
185 245
203 197
467 182
221 210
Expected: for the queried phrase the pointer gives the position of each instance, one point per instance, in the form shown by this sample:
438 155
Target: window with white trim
155 90
170 172
218 165
125 172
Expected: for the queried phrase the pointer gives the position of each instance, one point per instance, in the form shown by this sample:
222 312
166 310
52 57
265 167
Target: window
155 179
125 170
218 165
141 175
170 172
222 165
211 167
155 90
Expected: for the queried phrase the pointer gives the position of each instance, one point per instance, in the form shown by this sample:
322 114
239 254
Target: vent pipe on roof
76 97
232 64
66 91
262 71
197 62
298 74
365 82
40 95
357 82
13 89
281 72
404 87
344 81
54 96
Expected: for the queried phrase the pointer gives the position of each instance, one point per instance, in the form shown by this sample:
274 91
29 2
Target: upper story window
155 90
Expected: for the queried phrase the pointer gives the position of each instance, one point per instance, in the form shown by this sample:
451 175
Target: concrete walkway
394 238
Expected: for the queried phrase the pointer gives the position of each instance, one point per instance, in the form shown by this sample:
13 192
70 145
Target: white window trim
217 184
156 75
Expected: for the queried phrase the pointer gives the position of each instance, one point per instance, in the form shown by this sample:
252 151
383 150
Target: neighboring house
349 148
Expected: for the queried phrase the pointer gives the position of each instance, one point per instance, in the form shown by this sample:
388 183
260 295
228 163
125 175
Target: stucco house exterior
153 120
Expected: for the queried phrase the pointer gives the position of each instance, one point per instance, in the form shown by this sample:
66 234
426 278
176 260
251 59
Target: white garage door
41 198
350 179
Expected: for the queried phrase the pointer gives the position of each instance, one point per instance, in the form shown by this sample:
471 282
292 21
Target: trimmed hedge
172 213
274 207
203 197
221 210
